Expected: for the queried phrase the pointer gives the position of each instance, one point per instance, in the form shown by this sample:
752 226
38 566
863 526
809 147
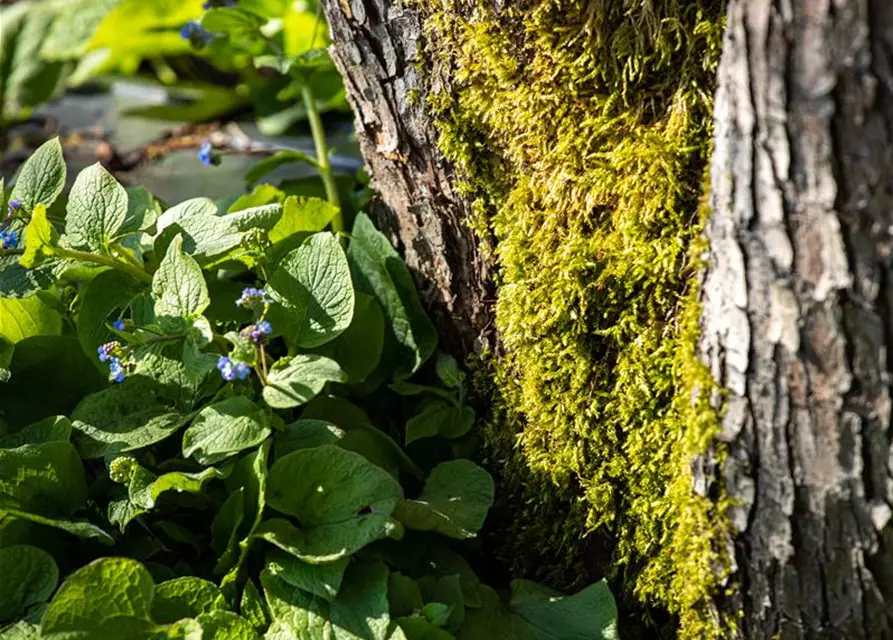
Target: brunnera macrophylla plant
234 424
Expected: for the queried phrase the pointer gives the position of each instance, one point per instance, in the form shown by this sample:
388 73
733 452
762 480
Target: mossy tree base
541 164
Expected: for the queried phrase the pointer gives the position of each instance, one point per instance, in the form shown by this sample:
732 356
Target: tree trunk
797 297
797 321
377 43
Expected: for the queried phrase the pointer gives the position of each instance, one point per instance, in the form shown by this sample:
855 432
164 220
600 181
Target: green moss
581 128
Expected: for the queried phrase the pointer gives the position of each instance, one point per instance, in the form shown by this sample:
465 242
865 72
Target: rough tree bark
798 298
797 312
376 45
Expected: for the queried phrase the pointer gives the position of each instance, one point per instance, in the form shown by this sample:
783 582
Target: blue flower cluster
257 300
10 239
232 370
111 352
118 324
197 35
252 298
257 333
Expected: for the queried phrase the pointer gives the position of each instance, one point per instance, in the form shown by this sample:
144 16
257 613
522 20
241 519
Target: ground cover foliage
234 424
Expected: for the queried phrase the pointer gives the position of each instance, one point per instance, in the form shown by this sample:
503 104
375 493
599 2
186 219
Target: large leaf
26 317
136 28
145 488
18 282
379 271
359 612
341 500
420 628
178 286
537 613
295 381
162 363
108 598
225 428
261 217
205 234
97 207
73 29
359 349
248 481
21 630
30 575
52 429
142 210
225 625
323 580
40 364
445 590
261 196
362 436
454 502
124 417
40 239
302 213
305 434
186 597
493 619
438 418
79 528
42 177
591 613
121 512
45 478
313 283
253 608
225 530
240 26
26 80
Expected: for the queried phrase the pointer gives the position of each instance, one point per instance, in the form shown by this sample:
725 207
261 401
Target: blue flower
256 333
188 29
116 370
197 35
252 297
206 154
12 207
242 370
118 325
8 239
230 370
107 351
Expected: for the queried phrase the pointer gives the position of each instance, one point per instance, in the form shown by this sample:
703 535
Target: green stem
322 155
137 273
128 257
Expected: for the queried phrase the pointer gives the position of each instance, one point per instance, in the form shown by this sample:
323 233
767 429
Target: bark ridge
797 312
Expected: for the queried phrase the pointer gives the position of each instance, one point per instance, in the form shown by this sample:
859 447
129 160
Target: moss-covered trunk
797 312
541 163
